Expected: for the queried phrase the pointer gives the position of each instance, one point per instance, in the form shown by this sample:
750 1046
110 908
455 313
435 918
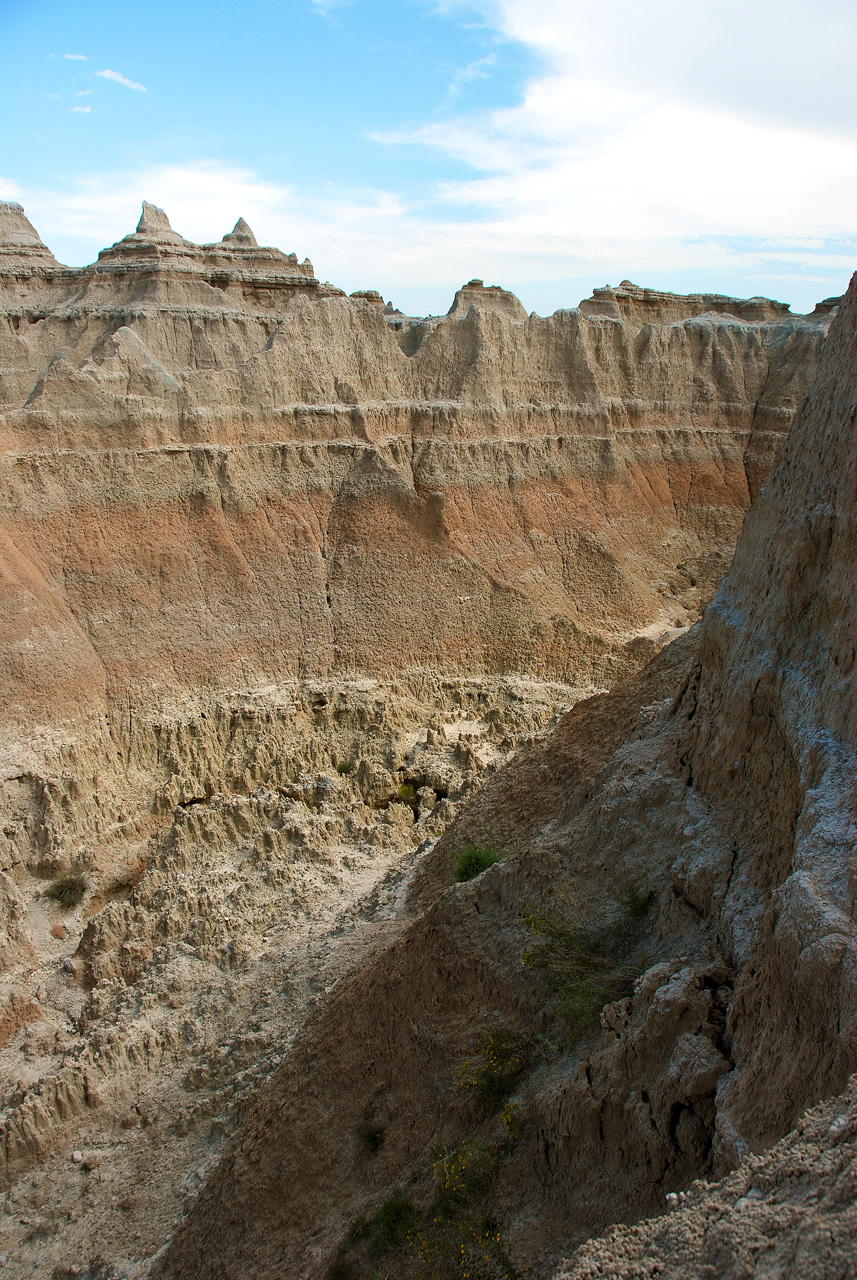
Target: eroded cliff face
285 576
704 813
217 471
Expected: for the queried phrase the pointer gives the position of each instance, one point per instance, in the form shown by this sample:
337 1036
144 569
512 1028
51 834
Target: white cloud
84 93
662 136
10 190
481 69
654 141
373 238
120 79
76 57
80 109
776 59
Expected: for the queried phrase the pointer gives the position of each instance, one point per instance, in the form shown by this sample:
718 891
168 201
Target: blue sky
547 145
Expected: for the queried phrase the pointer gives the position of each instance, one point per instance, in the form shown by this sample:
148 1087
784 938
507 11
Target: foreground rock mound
789 1212
695 828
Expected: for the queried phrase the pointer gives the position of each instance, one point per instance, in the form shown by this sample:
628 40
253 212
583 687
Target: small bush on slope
68 889
472 861
502 1061
588 970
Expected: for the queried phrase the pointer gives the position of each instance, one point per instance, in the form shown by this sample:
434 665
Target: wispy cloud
84 93
481 69
82 110
647 143
76 57
120 79
377 239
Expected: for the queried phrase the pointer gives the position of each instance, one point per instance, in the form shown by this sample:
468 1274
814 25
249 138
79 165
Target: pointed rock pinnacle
241 234
152 220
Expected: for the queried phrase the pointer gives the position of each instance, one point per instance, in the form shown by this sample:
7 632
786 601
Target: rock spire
153 221
241 235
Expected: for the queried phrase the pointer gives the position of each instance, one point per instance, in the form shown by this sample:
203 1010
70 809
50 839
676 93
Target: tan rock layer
215 469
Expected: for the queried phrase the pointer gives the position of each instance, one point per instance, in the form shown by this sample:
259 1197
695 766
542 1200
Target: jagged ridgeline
287 577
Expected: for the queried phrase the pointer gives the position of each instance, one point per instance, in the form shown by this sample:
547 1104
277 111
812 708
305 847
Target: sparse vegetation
342 1268
461 1240
394 1221
503 1057
407 794
467 1248
589 969
465 1172
456 1239
345 767
637 903
68 889
509 1116
472 861
360 1228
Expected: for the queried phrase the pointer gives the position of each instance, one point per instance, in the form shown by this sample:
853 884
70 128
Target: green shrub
638 904
394 1221
503 1057
472 861
469 1248
68 890
456 1240
360 1228
509 1116
588 969
342 1268
344 767
407 793
465 1172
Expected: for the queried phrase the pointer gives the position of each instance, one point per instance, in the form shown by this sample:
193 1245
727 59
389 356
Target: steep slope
729 812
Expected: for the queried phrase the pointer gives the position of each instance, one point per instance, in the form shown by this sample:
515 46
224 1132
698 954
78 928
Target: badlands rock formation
285 575
283 481
704 816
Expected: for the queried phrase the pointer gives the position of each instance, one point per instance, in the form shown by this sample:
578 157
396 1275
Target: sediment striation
289 583
212 463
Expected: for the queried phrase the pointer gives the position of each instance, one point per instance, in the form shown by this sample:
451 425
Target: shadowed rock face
216 468
720 781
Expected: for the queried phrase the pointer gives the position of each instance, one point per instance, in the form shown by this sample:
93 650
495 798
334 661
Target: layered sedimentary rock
705 814
213 463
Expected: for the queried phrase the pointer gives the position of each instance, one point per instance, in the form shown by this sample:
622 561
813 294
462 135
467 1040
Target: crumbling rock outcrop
789 1212
730 807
